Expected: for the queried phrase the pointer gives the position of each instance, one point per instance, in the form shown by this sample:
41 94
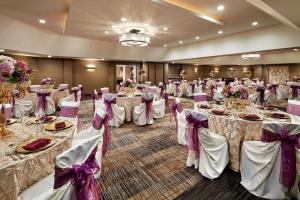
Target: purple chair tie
177 87
75 92
108 104
295 89
204 84
148 103
95 97
193 125
161 90
193 87
274 89
261 91
68 112
176 107
166 97
81 177
42 99
288 154
212 90
98 123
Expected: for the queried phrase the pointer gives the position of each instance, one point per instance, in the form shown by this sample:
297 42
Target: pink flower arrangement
47 81
236 92
6 68
130 83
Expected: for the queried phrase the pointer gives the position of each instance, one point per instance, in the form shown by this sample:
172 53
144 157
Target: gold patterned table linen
128 103
23 170
236 130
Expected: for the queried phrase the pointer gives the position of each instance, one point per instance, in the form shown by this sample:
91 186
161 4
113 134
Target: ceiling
183 18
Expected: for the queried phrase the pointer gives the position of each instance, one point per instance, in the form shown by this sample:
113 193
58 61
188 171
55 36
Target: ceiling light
180 42
295 49
114 26
42 21
197 38
220 7
253 56
2 50
106 32
165 29
49 56
173 62
123 19
165 45
134 38
146 24
254 23
220 32
102 59
91 66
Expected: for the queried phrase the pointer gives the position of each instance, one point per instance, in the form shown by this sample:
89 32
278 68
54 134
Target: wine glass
41 117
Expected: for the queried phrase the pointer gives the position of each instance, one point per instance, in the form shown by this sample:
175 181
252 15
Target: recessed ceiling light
123 19
165 45
49 56
91 66
254 23
220 7
295 49
220 32
180 42
165 29
102 59
146 24
173 62
106 32
114 26
42 21
197 37
2 50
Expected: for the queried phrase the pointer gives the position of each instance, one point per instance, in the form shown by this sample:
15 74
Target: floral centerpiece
47 83
130 83
235 96
11 73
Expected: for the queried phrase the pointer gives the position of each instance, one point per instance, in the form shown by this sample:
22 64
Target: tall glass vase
5 97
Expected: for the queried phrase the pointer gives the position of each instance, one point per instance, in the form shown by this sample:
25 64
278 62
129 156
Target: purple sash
212 91
95 97
261 91
108 104
81 177
204 84
288 154
192 138
98 123
176 107
161 90
295 89
42 99
75 92
166 97
68 112
148 103
177 87
193 87
274 89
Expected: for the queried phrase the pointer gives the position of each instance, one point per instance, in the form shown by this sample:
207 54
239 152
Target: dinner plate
36 121
51 126
243 116
211 112
20 147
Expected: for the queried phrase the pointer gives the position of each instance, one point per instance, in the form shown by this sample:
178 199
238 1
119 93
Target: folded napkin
203 106
251 116
218 112
37 144
278 115
46 118
122 95
8 121
60 125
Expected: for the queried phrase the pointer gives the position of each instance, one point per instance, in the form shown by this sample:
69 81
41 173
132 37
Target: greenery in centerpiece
236 92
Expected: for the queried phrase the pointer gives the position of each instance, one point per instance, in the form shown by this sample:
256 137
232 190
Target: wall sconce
216 70
90 69
91 66
245 69
196 69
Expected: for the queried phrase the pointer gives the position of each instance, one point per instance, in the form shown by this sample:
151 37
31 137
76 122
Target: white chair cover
140 114
178 92
68 98
104 90
158 109
43 190
169 89
35 88
261 165
23 107
181 127
118 111
50 105
69 109
63 86
8 110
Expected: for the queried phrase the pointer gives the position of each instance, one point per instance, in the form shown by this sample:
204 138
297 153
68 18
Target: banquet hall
149 99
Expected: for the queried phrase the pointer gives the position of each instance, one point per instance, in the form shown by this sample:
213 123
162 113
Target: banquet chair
63 86
96 100
69 165
169 89
142 114
293 107
158 108
178 92
179 117
35 88
268 167
191 90
69 109
116 113
148 83
76 91
22 107
208 151
8 110
104 90
45 103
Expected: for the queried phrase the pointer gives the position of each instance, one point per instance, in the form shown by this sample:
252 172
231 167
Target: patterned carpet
148 163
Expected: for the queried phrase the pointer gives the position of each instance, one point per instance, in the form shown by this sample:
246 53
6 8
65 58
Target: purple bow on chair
288 154
81 177
68 112
177 87
295 89
75 92
161 90
108 103
166 97
274 88
204 84
148 103
194 124
42 99
261 91
95 97
176 107
98 124
212 90
193 87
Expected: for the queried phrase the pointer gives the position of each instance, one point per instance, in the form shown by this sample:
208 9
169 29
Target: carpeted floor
148 163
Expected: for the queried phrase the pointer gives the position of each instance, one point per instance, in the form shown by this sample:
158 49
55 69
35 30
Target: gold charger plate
20 147
243 116
12 121
284 116
51 126
36 121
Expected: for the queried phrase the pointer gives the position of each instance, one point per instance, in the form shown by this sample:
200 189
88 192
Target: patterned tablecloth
22 170
236 130
128 103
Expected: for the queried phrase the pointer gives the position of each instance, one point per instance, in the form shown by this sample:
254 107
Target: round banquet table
237 130
128 103
22 170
